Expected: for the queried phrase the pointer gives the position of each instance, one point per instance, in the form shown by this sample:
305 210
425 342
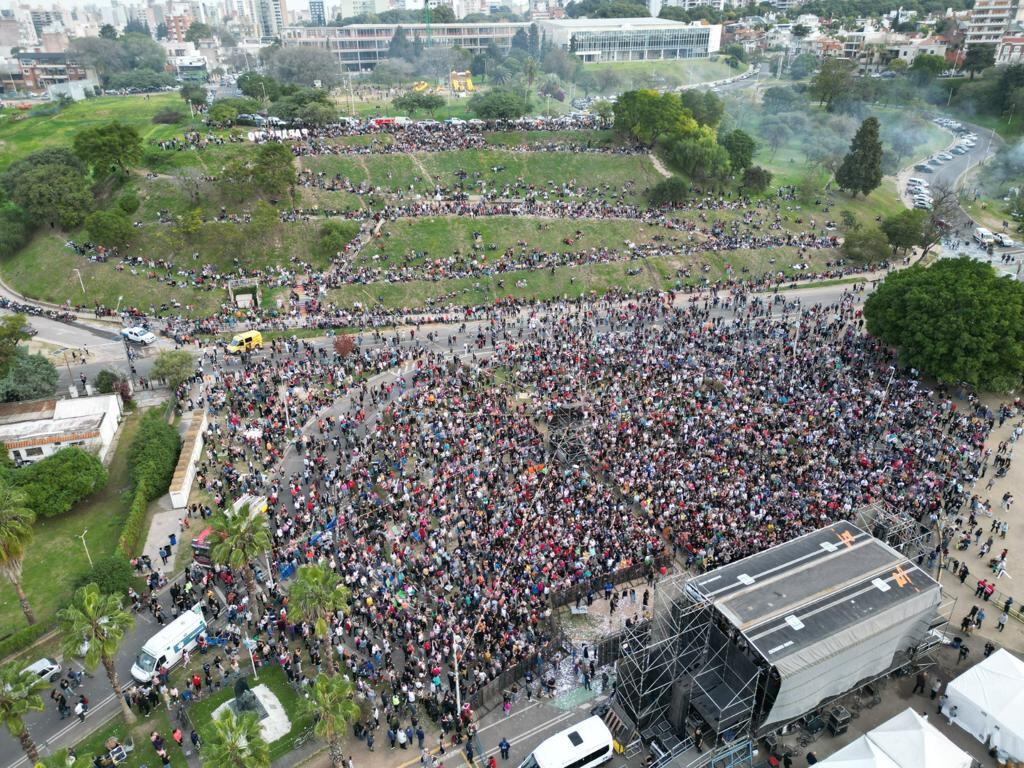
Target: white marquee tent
904 741
989 698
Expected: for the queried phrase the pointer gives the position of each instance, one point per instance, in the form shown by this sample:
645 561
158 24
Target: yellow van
246 341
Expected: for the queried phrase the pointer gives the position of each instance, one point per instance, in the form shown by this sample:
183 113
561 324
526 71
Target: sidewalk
166 521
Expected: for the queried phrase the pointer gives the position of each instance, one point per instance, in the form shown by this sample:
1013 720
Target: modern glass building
640 39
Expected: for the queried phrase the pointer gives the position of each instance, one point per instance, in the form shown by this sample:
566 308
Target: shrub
20 640
169 116
671 191
128 202
113 574
105 381
55 484
153 454
131 534
334 236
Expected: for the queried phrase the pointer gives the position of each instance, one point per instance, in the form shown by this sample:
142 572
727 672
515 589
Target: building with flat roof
33 430
637 39
991 19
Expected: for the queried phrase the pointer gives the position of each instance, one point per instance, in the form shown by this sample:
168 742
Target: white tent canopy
905 741
989 698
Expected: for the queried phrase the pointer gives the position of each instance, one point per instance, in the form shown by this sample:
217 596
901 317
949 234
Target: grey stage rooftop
813 588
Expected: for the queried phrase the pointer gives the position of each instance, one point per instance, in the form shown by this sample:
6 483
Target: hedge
153 454
131 535
55 484
112 573
21 639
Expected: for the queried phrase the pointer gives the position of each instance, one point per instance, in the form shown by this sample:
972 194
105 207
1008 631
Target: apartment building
991 19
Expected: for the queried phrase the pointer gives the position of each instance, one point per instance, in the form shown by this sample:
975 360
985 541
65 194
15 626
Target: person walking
503 747
1001 623
919 682
936 687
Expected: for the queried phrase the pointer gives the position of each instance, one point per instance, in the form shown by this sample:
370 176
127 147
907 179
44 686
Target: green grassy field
659 74
21 134
662 273
605 175
56 542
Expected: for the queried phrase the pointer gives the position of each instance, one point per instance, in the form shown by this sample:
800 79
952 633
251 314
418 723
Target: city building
272 16
637 39
41 70
1010 50
177 26
361 46
42 19
911 49
991 19
317 16
33 430
190 69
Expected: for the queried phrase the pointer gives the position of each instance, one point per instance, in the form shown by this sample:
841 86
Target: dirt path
659 167
423 169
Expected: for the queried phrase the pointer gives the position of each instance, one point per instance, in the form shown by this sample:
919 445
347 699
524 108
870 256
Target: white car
1004 240
45 669
138 335
944 156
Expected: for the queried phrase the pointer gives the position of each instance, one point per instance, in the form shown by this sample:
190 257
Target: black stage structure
748 648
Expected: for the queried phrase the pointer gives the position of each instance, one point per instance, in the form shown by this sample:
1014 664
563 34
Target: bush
15 230
55 484
105 381
669 192
113 574
110 228
20 640
29 377
334 236
169 116
131 534
128 202
153 454
756 179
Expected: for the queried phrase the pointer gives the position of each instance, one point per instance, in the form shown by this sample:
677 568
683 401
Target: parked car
138 335
45 669
1004 240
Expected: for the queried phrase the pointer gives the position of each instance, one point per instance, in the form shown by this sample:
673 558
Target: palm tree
316 596
331 705
237 540
530 70
100 621
15 533
236 742
19 695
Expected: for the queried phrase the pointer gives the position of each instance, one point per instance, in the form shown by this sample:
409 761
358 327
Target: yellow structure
461 82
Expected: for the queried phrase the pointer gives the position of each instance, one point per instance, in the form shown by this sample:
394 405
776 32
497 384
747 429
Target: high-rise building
41 19
991 19
316 13
272 16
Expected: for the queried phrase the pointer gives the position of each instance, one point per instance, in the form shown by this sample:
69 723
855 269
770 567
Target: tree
399 47
800 31
741 148
259 87
316 113
979 57
498 104
56 483
162 33
107 32
644 115
101 622
332 708
52 193
20 693
833 79
781 99
193 94
29 377
521 40
861 170
698 157
776 131
237 540
866 245
604 110
197 31
268 170
12 330
414 102
137 26
304 66
105 147
671 191
905 229
236 742
317 596
803 66
927 67
756 179
175 366
957 320
15 533
110 228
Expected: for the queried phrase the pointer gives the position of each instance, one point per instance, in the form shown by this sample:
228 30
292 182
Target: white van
585 745
984 236
165 648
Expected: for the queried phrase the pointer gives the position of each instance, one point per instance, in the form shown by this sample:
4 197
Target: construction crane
426 19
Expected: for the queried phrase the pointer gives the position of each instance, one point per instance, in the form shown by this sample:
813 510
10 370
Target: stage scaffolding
678 670
900 531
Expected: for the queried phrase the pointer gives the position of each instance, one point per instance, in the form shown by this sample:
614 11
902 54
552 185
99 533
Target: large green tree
266 171
317 596
957 320
12 330
331 705
236 742
905 229
175 366
29 377
110 227
19 695
109 147
645 115
979 57
15 533
238 539
52 193
865 245
100 621
741 148
499 104
861 170
834 79
416 102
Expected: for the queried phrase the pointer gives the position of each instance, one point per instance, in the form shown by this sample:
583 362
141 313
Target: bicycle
303 738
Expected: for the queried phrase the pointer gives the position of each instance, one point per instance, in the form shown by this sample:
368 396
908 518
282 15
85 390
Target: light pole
64 351
458 687
87 555
117 310
80 282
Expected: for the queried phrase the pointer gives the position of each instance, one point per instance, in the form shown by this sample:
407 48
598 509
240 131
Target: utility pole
87 555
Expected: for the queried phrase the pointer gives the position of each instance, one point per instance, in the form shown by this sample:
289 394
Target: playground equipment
461 82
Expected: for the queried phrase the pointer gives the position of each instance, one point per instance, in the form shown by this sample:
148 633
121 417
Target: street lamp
87 555
77 272
64 351
117 309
